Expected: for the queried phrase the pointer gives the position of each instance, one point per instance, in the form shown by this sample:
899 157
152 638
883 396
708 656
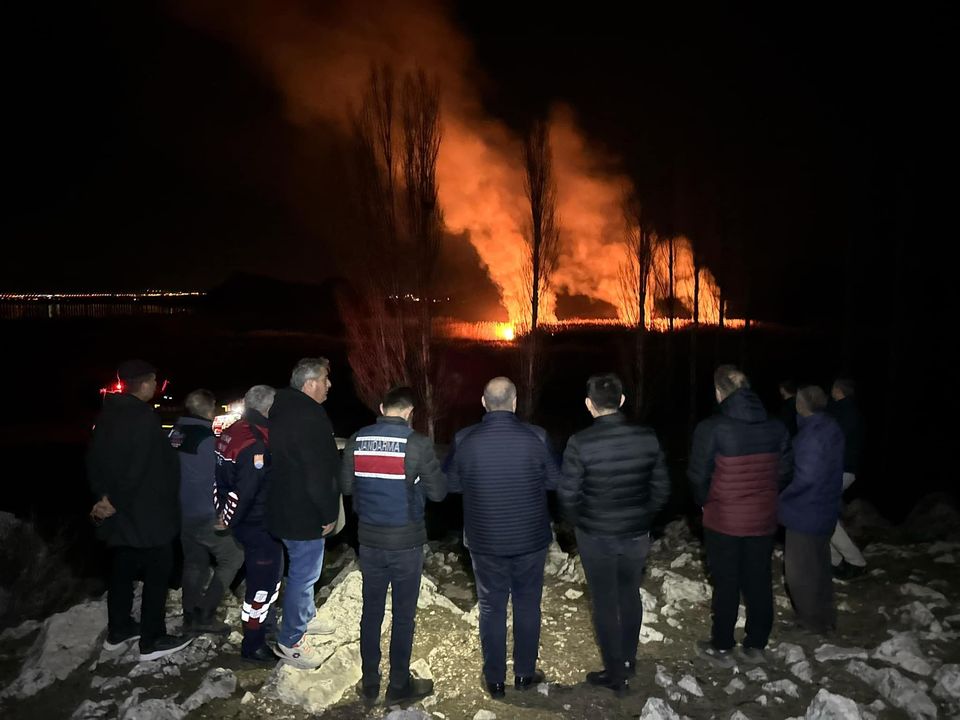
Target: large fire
321 57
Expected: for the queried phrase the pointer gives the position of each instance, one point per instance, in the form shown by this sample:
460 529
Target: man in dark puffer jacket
504 469
739 462
614 483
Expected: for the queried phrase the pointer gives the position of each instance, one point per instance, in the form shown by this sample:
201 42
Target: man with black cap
135 476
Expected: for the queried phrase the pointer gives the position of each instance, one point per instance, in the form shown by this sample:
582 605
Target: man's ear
623 399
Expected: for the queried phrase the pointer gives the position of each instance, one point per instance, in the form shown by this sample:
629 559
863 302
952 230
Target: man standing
739 461
788 410
848 561
134 476
809 507
391 471
243 471
614 483
192 436
303 500
504 468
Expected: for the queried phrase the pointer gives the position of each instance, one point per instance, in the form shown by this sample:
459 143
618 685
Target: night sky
147 149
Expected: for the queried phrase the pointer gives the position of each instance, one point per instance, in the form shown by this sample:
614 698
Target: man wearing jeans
504 469
303 500
391 471
614 483
739 461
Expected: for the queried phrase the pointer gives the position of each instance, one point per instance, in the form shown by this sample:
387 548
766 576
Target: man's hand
102 509
327 529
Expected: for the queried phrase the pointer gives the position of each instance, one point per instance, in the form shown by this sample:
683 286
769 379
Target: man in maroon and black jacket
740 460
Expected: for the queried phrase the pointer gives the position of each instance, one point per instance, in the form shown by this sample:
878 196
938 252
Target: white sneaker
317 626
302 654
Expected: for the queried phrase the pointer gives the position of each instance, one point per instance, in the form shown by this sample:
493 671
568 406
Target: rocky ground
896 654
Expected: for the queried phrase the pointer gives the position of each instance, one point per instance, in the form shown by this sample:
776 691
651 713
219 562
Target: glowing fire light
506 332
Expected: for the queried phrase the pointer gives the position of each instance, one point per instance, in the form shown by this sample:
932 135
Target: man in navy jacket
809 508
504 469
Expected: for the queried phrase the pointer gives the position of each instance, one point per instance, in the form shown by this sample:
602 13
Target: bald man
504 468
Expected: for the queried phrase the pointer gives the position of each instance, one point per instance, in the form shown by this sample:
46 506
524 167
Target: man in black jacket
303 500
614 483
848 561
504 469
391 471
135 476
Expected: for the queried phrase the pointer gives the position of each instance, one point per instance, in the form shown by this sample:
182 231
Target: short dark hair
729 378
845 385
604 391
399 398
788 386
813 397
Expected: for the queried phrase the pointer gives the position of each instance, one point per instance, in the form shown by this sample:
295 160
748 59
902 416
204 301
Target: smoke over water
320 56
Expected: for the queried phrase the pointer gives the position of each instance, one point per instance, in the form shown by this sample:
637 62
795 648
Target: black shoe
415 689
368 693
630 668
496 690
603 679
116 640
718 658
262 655
206 622
525 682
163 646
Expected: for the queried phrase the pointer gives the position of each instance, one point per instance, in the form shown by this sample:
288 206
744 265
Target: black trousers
740 565
809 577
614 568
152 565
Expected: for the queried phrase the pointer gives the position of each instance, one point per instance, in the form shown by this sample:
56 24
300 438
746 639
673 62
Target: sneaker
318 626
302 654
117 640
367 693
525 682
163 646
603 679
751 655
263 655
718 658
415 689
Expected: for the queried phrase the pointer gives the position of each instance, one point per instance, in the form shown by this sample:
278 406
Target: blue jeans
402 570
614 569
498 578
306 562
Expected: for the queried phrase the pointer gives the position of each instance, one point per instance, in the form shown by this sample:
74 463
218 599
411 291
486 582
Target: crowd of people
271 486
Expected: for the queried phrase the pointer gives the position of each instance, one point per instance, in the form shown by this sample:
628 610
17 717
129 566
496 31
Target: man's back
391 471
740 458
131 462
303 494
504 468
622 477
847 414
194 442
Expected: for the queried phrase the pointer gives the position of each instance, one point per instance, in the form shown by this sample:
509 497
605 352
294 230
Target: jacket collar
391 420
499 416
613 418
